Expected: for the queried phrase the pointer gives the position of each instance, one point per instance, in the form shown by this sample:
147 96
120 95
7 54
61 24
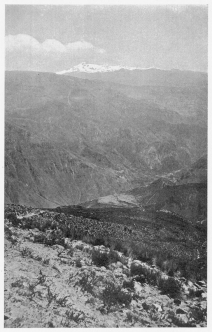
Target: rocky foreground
53 279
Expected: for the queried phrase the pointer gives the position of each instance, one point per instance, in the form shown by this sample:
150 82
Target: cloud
24 52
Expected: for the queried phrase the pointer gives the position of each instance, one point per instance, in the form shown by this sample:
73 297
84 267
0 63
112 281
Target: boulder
204 295
181 311
123 259
201 283
157 307
57 247
68 243
119 265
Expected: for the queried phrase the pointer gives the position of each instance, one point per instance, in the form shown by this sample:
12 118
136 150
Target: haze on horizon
55 38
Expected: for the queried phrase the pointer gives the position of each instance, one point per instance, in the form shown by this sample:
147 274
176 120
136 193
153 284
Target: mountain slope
69 140
182 194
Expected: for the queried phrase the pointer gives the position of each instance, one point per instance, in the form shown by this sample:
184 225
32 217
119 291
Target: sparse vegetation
111 288
26 252
87 281
113 294
77 317
46 261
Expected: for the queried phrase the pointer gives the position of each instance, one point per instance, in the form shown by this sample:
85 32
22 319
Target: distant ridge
94 68
137 76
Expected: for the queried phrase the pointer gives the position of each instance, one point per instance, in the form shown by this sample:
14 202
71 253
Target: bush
26 252
114 294
78 262
87 282
100 258
129 284
169 286
113 256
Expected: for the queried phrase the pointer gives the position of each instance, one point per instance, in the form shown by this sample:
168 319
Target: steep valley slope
69 140
105 200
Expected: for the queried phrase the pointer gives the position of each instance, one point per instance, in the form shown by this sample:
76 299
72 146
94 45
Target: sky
55 38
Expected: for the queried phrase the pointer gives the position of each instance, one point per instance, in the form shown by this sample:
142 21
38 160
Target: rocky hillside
70 140
67 271
182 193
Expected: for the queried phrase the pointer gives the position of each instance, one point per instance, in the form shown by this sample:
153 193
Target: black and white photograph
105 165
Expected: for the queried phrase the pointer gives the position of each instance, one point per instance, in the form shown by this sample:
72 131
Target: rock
137 287
101 308
123 259
102 249
157 307
119 264
185 289
87 248
204 305
198 286
113 266
177 301
182 321
204 295
181 311
64 260
57 247
68 243
201 283
118 273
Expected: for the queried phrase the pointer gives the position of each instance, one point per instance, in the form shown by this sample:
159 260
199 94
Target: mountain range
82 135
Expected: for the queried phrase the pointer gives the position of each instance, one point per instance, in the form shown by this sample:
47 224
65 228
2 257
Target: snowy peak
93 68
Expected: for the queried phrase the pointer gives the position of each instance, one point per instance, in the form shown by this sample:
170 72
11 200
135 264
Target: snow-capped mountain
135 76
93 68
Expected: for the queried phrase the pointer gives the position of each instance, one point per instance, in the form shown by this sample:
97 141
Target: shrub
87 282
113 256
132 317
99 242
169 286
62 301
78 262
77 317
100 258
46 261
26 252
114 294
17 283
129 284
